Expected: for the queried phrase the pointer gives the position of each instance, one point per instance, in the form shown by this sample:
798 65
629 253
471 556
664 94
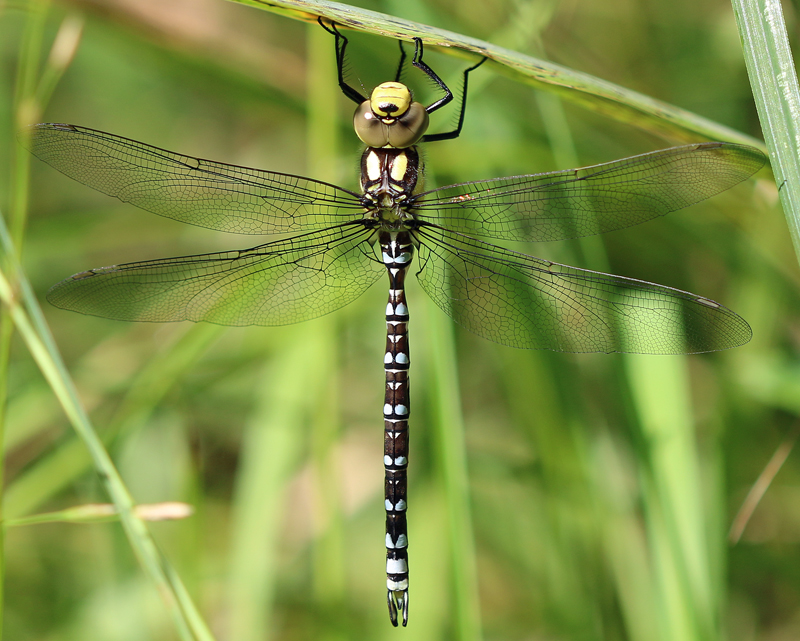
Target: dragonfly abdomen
397 252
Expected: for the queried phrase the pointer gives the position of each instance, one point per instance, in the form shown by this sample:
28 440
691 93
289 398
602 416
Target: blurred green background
602 487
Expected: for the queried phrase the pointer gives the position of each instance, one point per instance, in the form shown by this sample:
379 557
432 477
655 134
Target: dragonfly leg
448 135
341 46
401 63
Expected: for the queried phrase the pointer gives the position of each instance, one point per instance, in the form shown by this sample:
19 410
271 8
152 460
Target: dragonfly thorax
390 118
389 177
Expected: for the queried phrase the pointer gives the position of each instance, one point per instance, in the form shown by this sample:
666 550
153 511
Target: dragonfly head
390 118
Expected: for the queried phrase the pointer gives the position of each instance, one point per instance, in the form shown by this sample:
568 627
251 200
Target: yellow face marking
399 167
373 166
390 100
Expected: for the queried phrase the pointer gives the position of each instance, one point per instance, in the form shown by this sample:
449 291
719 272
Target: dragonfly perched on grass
335 243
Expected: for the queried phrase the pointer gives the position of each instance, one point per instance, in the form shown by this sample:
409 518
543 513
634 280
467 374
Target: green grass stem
61 467
30 324
595 94
674 504
773 78
451 459
594 493
272 447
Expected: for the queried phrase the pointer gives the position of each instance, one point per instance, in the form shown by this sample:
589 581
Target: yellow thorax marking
399 167
373 166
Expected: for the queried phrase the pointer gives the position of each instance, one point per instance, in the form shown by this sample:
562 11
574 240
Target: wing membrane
191 190
525 302
591 200
282 282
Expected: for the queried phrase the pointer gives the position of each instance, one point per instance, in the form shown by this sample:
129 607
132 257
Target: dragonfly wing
191 190
591 200
525 302
279 283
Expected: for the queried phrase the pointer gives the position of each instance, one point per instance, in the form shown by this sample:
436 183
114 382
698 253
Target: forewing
591 200
195 191
279 283
523 301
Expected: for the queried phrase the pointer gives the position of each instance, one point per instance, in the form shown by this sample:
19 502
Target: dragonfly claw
398 602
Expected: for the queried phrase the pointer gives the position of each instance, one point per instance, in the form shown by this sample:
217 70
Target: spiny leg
341 45
401 62
448 135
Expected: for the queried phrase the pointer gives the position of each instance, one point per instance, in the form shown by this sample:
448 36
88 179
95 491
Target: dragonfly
333 243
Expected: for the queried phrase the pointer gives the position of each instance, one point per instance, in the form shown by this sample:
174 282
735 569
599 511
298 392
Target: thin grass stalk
761 485
673 499
451 455
322 143
271 451
62 467
106 513
773 78
624 545
25 105
65 46
27 67
294 382
33 329
24 100
589 92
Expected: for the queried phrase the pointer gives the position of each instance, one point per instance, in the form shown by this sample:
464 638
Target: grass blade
588 91
32 328
777 95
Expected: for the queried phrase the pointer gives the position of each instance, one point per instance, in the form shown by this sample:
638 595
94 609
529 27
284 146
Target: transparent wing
191 190
523 301
591 200
279 283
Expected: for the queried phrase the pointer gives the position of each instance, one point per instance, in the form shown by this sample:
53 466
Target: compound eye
369 127
390 100
408 129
